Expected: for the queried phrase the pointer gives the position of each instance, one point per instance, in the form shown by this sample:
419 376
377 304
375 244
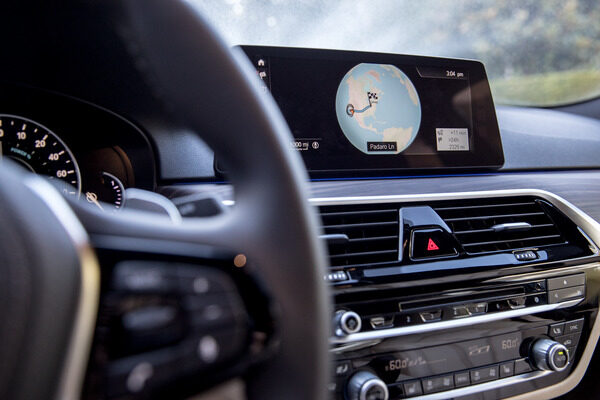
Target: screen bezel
487 153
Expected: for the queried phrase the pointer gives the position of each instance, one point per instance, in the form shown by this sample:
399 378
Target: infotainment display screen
369 114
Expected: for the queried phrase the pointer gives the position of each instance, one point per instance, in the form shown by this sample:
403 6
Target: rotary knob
346 323
364 385
549 355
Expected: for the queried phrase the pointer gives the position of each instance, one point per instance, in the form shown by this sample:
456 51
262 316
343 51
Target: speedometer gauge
38 149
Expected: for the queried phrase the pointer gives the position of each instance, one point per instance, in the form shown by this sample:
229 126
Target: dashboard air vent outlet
498 225
361 235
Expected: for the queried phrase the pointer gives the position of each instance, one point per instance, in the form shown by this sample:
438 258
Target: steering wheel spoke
176 315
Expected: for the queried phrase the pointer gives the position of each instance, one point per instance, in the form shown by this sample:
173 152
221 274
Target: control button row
438 384
517 302
566 328
155 277
461 379
387 321
469 310
460 311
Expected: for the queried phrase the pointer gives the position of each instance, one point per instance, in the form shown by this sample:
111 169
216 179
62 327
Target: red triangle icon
431 245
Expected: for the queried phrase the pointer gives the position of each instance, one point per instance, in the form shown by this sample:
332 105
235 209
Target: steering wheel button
211 312
137 374
144 277
198 280
208 349
136 380
149 318
214 347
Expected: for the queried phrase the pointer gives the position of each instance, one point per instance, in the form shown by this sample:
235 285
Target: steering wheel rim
272 221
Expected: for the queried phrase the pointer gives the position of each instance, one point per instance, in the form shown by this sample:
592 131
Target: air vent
497 225
361 235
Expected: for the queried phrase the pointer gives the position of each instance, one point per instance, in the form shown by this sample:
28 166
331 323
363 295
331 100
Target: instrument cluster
87 151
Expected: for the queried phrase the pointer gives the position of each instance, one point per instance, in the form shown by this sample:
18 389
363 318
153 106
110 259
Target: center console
479 295
475 296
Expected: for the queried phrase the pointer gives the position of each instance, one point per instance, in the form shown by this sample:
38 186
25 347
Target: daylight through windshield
541 53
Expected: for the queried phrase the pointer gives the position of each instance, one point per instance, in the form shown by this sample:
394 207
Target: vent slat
511 240
372 239
372 230
359 213
529 203
361 226
495 216
491 230
366 253
472 222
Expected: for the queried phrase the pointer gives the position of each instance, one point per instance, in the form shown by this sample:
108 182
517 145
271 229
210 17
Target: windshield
537 53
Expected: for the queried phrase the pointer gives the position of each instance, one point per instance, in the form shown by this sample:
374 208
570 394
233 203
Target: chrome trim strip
545 274
455 323
482 387
511 226
76 359
590 228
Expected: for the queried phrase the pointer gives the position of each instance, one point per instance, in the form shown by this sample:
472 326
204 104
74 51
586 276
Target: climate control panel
524 353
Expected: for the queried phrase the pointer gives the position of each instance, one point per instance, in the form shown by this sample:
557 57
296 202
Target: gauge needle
93 198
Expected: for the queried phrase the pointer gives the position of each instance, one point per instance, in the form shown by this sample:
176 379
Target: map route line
373 99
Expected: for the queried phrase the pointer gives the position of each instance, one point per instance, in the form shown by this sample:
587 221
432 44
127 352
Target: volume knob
346 322
549 355
364 385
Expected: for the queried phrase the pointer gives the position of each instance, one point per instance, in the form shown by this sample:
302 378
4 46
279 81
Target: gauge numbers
110 189
38 149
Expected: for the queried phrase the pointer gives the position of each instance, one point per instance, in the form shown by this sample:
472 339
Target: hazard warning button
431 243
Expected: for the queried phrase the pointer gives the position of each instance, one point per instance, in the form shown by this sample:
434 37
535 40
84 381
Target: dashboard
462 246
87 151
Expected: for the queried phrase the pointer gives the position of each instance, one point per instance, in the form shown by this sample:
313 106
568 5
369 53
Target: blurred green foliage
536 52
547 89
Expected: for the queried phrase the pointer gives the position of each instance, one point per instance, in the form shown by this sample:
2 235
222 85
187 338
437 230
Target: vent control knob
346 322
364 385
549 355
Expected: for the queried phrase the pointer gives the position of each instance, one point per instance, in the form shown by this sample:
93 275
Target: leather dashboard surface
579 187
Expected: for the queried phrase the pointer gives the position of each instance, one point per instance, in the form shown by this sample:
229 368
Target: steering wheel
54 252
